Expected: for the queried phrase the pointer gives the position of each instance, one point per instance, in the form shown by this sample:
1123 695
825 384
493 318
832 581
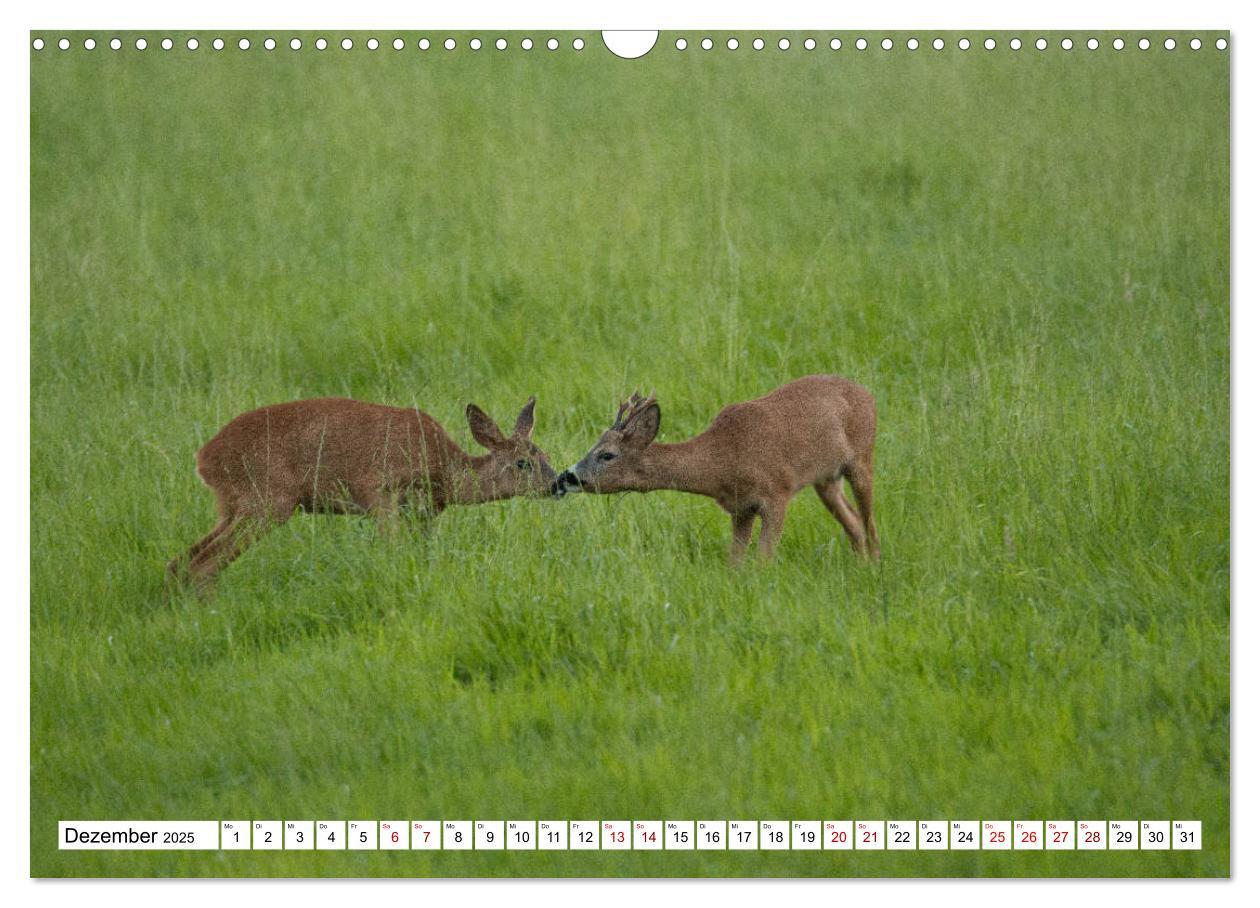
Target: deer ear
641 428
483 428
525 422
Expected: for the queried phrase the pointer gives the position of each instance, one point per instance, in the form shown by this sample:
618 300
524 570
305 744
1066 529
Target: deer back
302 447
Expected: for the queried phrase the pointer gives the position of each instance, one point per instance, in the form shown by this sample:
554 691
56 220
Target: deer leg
177 567
772 514
220 551
240 533
861 478
385 509
831 492
741 534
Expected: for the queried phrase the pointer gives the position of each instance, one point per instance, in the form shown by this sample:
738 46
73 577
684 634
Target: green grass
1024 256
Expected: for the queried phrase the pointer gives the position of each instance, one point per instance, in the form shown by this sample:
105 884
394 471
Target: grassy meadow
1024 255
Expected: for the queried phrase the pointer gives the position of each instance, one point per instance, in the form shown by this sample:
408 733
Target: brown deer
754 457
344 456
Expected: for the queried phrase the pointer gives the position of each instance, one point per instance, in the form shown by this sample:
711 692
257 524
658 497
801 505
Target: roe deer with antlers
754 457
348 457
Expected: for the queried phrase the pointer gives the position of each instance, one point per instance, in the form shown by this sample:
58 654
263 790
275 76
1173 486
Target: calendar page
703 453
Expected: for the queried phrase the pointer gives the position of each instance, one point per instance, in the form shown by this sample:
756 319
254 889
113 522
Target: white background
21 18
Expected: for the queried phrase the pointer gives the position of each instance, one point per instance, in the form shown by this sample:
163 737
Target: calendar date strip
631 835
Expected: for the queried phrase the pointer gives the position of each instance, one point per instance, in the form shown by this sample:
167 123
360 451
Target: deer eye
523 464
606 455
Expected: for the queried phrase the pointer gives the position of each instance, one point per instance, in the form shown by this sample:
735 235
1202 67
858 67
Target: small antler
630 408
621 412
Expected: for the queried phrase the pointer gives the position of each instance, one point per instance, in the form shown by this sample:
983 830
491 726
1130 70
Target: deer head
514 465
614 464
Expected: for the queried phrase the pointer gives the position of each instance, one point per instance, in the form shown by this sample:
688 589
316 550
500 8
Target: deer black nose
564 482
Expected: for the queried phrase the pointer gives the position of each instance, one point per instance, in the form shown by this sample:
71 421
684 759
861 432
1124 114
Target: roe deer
754 457
343 456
